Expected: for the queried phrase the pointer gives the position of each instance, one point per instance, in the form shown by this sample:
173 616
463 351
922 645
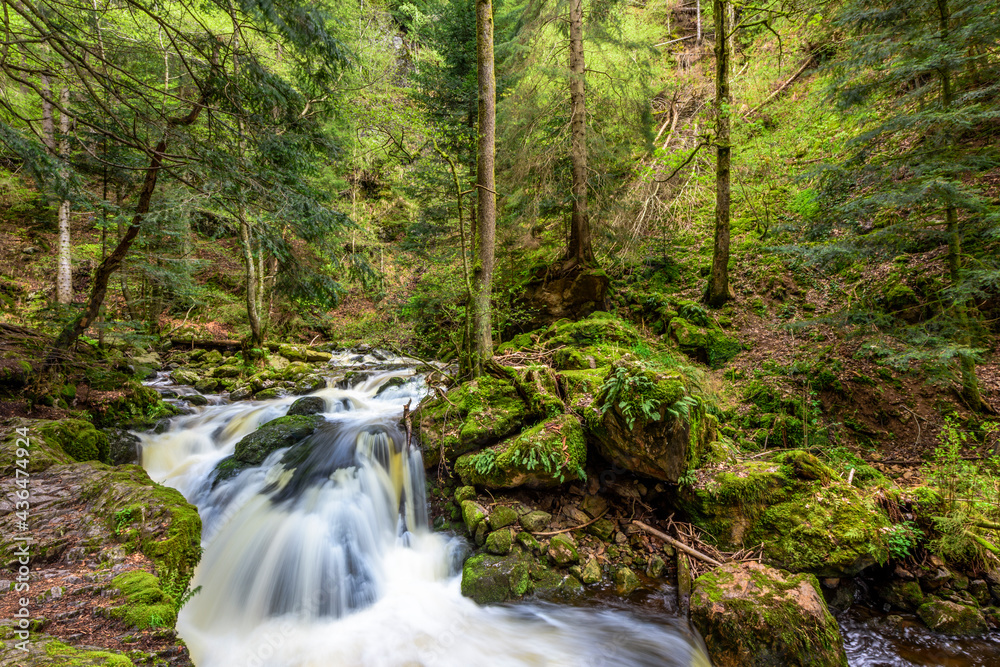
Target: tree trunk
64 273
580 252
719 291
486 210
967 364
252 285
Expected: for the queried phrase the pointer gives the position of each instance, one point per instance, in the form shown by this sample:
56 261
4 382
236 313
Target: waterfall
322 555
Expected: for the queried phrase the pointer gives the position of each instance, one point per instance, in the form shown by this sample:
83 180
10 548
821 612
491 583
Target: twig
677 544
567 530
783 86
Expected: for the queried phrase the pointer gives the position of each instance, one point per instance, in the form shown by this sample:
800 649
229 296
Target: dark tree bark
719 290
580 251
486 209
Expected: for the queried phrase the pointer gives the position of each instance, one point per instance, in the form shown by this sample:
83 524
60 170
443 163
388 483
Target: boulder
78 438
182 376
707 344
206 386
752 615
122 445
499 542
471 416
646 422
502 516
544 456
562 549
307 405
308 384
274 435
277 362
536 521
626 581
951 618
227 371
492 579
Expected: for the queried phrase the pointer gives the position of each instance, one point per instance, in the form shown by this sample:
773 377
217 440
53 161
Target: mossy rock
308 405
752 615
646 421
499 542
491 579
42 452
473 415
905 595
581 387
277 434
206 385
46 651
598 329
832 531
78 438
123 446
544 456
951 618
562 549
182 376
227 372
309 384
131 405
294 371
706 344
146 604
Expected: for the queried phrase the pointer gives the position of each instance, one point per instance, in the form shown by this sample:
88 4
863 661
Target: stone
573 295
602 528
594 505
661 441
951 618
206 386
591 572
905 595
308 405
752 615
626 582
269 394
122 445
277 362
491 579
464 493
536 521
562 549
78 438
980 591
211 358
529 542
544 456
274 435
472 514
499 542
241 393
502 516
195 399
309 383
655 567
181 376
292 352
227 372
146 358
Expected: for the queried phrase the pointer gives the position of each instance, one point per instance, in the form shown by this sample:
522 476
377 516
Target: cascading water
322 555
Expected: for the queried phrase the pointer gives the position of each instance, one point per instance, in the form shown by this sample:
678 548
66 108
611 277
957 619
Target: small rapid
323 556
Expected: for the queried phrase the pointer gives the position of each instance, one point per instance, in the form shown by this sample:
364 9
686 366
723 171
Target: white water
327 560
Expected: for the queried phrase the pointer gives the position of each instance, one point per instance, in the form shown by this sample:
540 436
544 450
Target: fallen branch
677 544
567 530
778 91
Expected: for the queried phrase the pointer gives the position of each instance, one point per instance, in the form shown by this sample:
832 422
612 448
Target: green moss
598 328
274 435
548 454
76 657
78 438
490 579
146 604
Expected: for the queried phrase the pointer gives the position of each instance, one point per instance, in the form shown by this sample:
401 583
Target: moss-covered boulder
309 383
492 579
182 376
563 550
78 438
905 595
307 405
46 651
647 422
274 435
707 344
142 602
952 618
123 446
545 455
469 417
752 615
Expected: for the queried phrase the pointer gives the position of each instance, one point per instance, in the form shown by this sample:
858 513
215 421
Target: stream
323 556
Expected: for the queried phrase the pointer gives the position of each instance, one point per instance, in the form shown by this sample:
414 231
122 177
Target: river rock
499 542
562 549
472 514
536 521
544 456
951 618
307 405
274 435
502 516
277 362
591 572
752 615
663 445
905 595
78 438
227 371
309 384
123 446
490 579
626 582
182 376
206 385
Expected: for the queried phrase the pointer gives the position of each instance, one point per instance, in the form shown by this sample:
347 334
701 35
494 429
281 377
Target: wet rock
274 435
122 445
655 567
490 579
269 394
952 618
543 456
499 542
390 383
905 595
591 572
206 386
308 405
227 372
529 542
196 399
309 384
241 393
563 550
472 515
752 615
536 521
980 592
626 582
181 376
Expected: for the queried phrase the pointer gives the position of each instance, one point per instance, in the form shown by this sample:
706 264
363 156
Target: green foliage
902 539
634 395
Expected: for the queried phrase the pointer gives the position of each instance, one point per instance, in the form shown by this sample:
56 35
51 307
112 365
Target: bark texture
486 209
579 252
719 291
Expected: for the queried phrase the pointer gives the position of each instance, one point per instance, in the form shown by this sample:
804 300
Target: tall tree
936 84
486 209
580 252
64 272
719 291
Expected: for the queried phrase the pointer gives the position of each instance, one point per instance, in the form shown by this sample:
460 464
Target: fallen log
678 544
